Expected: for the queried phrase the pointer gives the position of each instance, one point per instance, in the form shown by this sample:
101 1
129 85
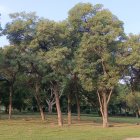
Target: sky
126 10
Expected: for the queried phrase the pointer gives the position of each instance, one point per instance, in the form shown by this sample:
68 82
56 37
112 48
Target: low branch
100 102
109 96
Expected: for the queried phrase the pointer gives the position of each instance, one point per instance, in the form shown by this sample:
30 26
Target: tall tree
130 62
10 65
22 33
77 28
95 58
57 59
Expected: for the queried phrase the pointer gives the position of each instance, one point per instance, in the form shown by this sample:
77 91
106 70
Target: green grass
30 127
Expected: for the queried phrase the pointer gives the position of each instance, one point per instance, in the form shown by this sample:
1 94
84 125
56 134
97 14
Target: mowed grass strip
30 127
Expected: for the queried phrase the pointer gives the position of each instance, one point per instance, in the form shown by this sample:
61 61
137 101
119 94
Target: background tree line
70 66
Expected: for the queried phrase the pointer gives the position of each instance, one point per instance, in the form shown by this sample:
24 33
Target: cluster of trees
76 61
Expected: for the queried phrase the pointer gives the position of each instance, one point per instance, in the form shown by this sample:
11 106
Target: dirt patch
132 139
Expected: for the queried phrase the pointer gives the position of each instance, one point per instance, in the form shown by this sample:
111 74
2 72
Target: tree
49 96
22 33
35 69
57 59
21 95
9 69
133 101
95 58
120 97
76 29
130 62
51 38
4 94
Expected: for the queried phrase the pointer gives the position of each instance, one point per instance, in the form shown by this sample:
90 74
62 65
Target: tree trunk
103 101
105 111
6 109
41 110
50 108
59 114
69 110
38 102
137 114
120 110
139 111
78 108
10 101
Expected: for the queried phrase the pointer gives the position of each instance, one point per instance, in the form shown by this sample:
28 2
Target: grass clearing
30 127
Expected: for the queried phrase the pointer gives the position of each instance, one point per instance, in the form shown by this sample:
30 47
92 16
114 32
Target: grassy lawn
30 127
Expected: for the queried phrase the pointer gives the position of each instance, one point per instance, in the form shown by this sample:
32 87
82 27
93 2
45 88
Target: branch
53 103
101 109
47 101
61 93
104 68
108 99
53 100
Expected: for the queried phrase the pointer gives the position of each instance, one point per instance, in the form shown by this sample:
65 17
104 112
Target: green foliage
81 12
130 60
133 100
21 29
9 63
131 51
122 91
95 58
57 57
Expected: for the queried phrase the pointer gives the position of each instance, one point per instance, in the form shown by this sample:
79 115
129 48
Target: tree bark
39 102
139 111
78 108
6 109
69 110
120 109
137 114
50 108
105 111
59 114
10 101
103 101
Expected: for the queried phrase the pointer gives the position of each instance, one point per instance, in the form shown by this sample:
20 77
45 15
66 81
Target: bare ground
132 139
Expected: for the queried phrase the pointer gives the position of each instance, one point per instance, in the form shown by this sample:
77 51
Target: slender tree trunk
38 102
139 111
103 101
105 111
50 108
59 114
137 114
0 108
6 109
69 110
120 109
125 111
78 108
10 101
40 109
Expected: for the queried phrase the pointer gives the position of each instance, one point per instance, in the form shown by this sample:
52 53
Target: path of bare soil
133 139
